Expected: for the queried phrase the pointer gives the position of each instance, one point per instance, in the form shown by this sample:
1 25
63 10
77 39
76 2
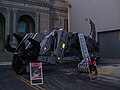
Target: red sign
36 75
92 67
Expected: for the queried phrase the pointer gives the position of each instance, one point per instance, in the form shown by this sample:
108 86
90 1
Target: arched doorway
2 32
25 25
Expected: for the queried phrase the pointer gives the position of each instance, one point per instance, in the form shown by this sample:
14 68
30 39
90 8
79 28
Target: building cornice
33 5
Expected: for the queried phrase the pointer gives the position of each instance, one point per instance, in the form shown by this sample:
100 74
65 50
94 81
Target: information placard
36 74
92 67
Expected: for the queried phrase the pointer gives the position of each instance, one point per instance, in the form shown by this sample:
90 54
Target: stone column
37 22
14 24
6 28
14 20
7 24
44 22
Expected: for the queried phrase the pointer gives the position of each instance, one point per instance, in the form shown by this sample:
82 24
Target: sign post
36 74
93 72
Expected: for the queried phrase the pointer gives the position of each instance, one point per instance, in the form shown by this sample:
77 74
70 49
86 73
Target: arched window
22 26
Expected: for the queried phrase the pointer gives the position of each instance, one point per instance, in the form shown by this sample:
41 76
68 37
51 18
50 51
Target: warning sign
92 67
36 74
93 70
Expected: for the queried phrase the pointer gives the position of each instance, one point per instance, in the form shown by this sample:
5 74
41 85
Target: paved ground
9 80
106 67
55 78
61 77
6 56
112 70
69 78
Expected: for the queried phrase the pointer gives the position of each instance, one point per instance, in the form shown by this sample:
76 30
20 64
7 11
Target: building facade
24 16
